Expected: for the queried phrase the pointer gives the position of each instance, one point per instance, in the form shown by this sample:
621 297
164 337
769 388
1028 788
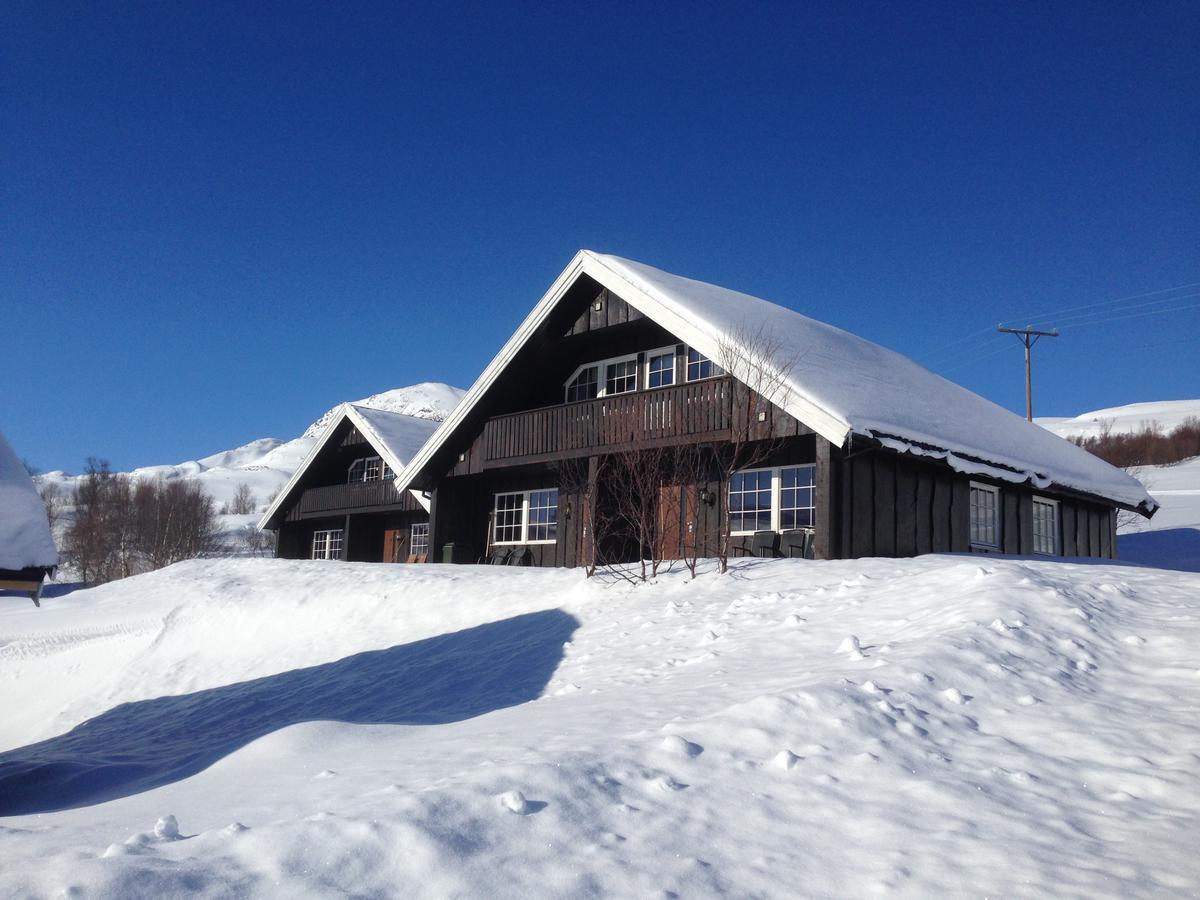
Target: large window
777 499
700 366
327 544
985 516
660 368
418 544
369 468
1045 526
525 517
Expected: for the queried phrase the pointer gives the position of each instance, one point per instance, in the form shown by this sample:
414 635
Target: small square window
620 377
660 370
700 366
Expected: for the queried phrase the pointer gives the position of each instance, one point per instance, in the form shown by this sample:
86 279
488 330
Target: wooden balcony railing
693 411
352 495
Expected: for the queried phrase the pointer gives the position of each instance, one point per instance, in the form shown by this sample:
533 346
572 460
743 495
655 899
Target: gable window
418 544
779 499
985 517
369 468
525 517
660 368
1045 526
585 385
700 366
327 544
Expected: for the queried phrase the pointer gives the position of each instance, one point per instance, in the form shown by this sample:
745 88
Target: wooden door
393 545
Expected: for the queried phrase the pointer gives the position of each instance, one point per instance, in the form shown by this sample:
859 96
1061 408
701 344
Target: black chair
764 544
797 543
522 556
498 557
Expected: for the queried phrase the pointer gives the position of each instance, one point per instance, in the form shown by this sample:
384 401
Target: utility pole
1028 337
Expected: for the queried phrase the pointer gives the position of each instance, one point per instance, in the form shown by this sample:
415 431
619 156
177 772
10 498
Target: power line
1028 337
1122 309
1070 309
1136 315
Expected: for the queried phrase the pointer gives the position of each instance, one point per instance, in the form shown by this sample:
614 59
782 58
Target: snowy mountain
1166 414
932 727
266 464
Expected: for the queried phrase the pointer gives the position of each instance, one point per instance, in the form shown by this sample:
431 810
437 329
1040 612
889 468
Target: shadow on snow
138 746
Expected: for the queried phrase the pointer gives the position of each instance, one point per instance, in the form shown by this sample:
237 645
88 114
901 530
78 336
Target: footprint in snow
786 760
678 746
794 621
668 784
326 773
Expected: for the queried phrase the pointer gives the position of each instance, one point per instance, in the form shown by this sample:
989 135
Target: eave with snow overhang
393 436
27 551
848 390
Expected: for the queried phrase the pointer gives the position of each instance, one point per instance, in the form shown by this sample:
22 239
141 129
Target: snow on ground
937 726
1167 414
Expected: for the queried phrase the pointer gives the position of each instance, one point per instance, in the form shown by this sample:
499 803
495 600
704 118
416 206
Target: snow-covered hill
1166 414
943 726
266 464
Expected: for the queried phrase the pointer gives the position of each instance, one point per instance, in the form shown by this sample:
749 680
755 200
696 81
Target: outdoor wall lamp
707 496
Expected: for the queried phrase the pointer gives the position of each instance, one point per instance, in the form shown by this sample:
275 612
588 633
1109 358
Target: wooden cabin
864 452
27 552
342 503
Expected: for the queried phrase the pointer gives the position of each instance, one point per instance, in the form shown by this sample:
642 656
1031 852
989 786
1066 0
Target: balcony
352 495
685 413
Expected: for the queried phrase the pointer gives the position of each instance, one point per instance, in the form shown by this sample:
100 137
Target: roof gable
836 383
395 437
25 539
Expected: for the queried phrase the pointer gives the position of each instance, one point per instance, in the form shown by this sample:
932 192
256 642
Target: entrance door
394 545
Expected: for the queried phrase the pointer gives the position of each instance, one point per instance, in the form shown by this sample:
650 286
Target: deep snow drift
943 725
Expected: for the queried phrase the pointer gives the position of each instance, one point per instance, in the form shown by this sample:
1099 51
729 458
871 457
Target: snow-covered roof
25 539
837 383
394 436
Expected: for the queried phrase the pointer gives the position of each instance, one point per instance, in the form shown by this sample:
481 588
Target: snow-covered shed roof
25 539
394 436
837 383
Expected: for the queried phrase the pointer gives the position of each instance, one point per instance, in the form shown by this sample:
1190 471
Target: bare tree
53 499
243 503
761 367
256 542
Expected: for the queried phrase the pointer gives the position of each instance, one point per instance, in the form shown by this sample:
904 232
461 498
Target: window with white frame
418 544
620 377
369 468
585 385
700 366
985 516
525 517
1045 526
777 499
660 368
327 544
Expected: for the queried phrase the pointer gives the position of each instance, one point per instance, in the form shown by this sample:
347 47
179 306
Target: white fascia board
282 496
489 375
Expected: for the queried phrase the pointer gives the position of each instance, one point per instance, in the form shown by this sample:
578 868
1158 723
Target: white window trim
412 537
524 519
776 496
601 365
687 374
385 471
1057 536
997 518
327 532
651 354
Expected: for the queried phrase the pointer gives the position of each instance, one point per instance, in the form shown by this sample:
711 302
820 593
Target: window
660 368
1045 526
620 377
700 366
369 468
526 517
327 544
772 499
584 385
418 545
985 516
796 489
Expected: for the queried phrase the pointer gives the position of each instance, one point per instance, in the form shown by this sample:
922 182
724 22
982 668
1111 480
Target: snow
938 726
399 434
1166 414
25 540
837 383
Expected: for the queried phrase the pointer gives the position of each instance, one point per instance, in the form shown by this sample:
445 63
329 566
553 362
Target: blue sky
218 220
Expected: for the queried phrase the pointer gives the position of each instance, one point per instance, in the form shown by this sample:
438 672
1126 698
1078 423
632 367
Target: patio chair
498 557
522 556
764 544
797 543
